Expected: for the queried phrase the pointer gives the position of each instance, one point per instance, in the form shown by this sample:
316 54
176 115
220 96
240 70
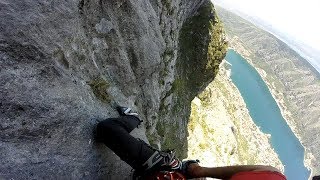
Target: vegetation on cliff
202 46
221 131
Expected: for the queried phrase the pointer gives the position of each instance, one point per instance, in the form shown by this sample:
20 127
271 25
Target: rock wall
65 65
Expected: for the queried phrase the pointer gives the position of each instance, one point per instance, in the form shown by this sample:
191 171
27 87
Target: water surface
266 114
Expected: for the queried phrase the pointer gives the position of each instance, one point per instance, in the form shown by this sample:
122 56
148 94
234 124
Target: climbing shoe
164 160
126 111
169 159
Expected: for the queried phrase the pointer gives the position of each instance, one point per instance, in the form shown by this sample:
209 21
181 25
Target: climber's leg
114 132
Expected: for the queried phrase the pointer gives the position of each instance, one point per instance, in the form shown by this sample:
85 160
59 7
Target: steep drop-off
293 82
221 131
64 65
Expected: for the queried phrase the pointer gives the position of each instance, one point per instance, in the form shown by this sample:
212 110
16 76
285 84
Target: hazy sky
300 19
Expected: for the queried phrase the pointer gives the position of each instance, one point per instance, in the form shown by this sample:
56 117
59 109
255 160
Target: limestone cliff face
64 65
221 131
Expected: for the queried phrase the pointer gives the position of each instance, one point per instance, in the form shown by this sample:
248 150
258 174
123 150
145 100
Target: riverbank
236 45
221 131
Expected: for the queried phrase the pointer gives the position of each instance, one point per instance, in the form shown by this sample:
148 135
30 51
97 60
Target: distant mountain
294 83
309 53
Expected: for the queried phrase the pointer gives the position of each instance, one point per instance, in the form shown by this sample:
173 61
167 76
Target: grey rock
63 66
104 26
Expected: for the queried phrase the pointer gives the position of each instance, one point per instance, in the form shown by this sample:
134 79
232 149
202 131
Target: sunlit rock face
221 131
65 65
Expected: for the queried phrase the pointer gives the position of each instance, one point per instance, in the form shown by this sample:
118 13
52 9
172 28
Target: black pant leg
114 132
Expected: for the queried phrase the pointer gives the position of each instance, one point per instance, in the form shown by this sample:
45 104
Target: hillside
221 131
292 81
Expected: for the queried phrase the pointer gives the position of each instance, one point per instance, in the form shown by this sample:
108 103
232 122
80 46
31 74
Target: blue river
266 114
